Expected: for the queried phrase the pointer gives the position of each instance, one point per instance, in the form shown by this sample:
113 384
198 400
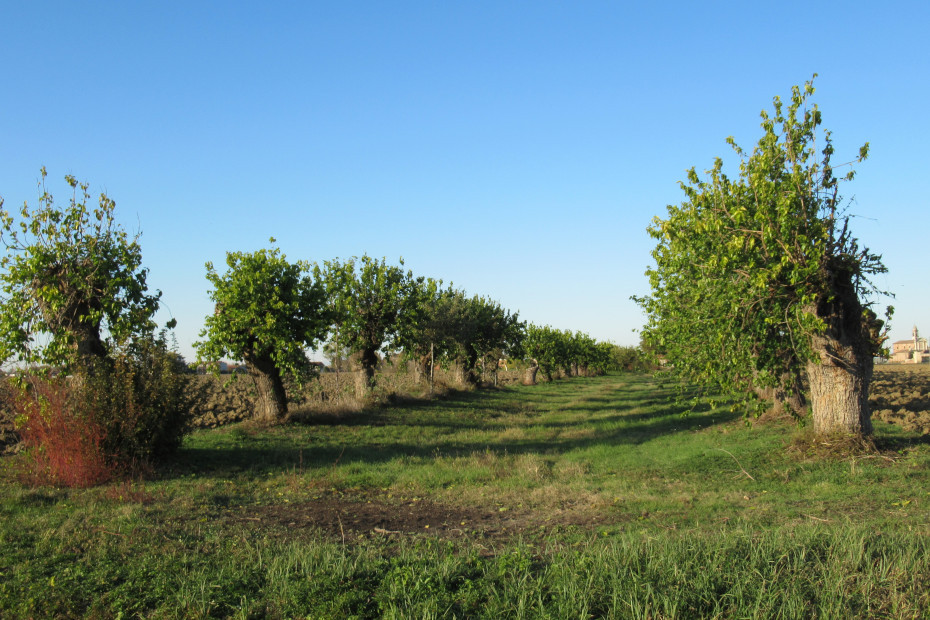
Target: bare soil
354 516
901 395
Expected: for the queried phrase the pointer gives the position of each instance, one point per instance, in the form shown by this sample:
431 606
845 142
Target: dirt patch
352 516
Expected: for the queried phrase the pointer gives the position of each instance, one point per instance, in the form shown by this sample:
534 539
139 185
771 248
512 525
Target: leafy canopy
72 279
267 310
372 302
742 264
484 329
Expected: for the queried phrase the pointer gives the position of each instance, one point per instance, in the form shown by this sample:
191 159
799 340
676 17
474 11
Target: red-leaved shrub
113 418
64 445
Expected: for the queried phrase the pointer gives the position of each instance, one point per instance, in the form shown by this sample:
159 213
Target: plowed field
901 395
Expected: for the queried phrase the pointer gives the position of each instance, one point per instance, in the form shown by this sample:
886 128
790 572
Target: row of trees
270 311
75 298
573 354
757 290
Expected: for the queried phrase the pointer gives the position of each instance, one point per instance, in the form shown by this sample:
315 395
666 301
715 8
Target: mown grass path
583 498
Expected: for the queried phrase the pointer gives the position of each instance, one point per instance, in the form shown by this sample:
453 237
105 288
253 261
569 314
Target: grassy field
584 498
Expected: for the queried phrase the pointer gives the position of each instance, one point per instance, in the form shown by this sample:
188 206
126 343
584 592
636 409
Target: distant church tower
915 338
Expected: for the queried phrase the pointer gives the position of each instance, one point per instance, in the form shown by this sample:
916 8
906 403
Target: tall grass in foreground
801 573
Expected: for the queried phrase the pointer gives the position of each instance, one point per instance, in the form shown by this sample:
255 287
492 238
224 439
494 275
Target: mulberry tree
268 311
759 284
73 284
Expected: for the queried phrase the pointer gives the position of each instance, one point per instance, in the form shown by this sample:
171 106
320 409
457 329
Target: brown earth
901 395
350 516
353 516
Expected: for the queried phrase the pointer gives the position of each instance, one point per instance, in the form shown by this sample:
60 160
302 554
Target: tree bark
788 397
369 362
465 371
75 318
272 399
88 346
839 383
421 369
529 377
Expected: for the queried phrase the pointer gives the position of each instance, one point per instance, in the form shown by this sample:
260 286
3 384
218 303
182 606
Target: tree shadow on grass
900 443
447 428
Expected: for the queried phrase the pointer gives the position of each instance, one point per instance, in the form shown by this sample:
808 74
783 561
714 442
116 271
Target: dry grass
810 446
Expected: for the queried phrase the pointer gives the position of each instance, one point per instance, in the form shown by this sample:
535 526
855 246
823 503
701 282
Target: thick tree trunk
421 369
272 399
839 383
465 376
362 385
788 397
529 378
75 318
89 346
839 399
369 362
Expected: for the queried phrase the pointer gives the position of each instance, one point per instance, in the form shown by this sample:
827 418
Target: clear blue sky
517 149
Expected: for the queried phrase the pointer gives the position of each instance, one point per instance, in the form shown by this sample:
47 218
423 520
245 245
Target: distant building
913 351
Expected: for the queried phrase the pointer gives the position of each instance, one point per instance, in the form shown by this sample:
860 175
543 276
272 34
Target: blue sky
516 149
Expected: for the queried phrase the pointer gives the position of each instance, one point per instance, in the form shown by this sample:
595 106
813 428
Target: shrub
115 418
138 395
63 446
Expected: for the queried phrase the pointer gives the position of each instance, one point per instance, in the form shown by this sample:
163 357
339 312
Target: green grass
616 506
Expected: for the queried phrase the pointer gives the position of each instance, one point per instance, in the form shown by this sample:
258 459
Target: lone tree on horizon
758 281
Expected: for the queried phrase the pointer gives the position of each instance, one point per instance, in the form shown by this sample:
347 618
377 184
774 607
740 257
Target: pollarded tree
370 302
73 277
544 346
758 280
268 312
427 334
481 330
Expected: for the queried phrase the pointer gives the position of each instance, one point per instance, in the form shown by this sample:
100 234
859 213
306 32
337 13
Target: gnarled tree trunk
421 369
272 399
839 383
465 376
529 377
75 317
88 346
788 397
369 363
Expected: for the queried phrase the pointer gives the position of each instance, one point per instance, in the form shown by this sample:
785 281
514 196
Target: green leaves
371 302
71 273
741 265
266 308
569 352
